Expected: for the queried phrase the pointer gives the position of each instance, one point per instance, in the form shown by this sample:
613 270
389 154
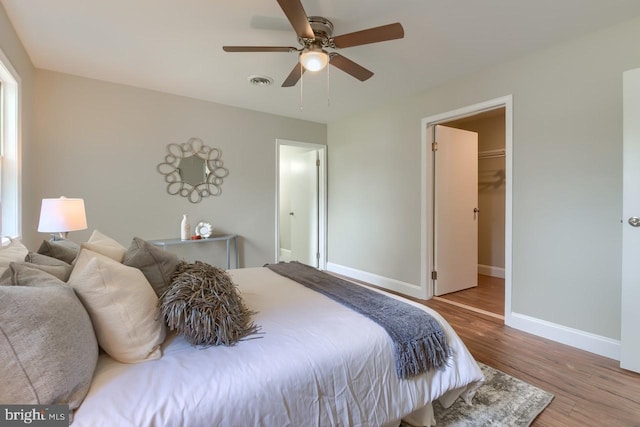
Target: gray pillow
64 250
40 259
28 274
48 350
156 264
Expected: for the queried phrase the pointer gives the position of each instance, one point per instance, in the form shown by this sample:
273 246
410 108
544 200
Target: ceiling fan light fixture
315 34
314 59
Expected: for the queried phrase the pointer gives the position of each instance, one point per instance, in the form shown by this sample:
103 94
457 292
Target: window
10 202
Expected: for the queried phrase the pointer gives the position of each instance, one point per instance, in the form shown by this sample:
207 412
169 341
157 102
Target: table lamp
62 215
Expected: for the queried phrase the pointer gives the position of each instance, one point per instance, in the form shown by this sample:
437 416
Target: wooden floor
589 390
488 295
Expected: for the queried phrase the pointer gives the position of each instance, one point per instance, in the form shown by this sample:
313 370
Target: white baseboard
489 270
582 340
384 282
587 341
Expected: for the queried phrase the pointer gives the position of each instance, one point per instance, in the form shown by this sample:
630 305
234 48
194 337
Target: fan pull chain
328 86
301 84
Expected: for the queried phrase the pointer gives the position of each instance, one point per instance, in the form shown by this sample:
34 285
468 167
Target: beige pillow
48 350
12 252
104 245
122 305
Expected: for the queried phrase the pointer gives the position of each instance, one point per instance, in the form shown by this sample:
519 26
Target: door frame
427 191
322 198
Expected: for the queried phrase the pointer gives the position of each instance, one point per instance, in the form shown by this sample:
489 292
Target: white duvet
315 363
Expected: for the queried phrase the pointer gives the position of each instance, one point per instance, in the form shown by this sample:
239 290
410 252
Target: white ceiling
175 46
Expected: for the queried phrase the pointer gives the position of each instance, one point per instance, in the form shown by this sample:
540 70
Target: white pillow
122 305
104 245
15 251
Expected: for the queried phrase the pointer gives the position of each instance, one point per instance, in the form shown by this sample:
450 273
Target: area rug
501 401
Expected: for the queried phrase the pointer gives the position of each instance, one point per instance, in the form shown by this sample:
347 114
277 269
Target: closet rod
490 154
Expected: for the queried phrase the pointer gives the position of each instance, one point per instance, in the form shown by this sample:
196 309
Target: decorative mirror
193 170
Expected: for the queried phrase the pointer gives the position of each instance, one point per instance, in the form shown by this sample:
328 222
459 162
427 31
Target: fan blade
258 49
350 67
297 17
294 75
371 35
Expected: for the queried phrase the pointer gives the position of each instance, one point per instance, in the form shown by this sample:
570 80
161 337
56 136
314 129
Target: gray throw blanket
419 341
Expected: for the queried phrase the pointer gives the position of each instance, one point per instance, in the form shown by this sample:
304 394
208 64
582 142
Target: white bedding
316 363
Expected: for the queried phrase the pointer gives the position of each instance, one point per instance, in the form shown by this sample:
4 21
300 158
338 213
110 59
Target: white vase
185 228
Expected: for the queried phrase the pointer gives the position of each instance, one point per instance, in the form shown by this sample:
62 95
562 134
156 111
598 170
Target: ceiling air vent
260 80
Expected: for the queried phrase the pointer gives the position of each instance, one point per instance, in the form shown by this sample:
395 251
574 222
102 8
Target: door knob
634 221
291 213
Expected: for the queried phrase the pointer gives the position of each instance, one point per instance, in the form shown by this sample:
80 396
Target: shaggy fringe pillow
204 305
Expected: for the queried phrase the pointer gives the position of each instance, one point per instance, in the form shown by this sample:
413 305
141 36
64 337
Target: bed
314 363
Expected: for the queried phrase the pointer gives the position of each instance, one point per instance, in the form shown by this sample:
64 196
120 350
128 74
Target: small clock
203 229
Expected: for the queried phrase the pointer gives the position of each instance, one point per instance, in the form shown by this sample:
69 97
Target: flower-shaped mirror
193 170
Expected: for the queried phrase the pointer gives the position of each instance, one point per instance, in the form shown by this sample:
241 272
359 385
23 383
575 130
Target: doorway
488 294
301 203
492 122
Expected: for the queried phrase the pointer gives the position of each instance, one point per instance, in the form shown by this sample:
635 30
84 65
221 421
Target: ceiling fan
315 35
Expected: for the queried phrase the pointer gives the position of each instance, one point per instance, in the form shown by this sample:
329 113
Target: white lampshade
62 215
314 59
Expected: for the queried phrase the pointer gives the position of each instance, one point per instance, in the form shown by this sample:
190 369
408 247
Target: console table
226 238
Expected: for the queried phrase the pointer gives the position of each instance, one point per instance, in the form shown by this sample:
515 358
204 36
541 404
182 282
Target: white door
455 210
630 322
304 207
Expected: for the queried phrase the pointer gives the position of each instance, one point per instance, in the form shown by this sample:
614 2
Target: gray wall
102 142
567 148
